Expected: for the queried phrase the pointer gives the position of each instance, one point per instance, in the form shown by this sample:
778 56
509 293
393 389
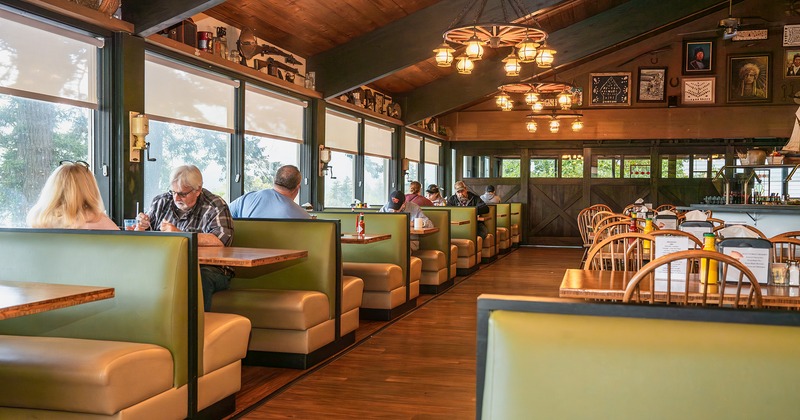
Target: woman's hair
186 176
69 199
415 187
432 189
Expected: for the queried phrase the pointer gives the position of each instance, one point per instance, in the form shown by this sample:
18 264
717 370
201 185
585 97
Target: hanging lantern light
527 50
512 66
474 48
545 58
564 100
444 55
508 106
501 99
531 97
464 65
531 126
554 125
538 106
577 125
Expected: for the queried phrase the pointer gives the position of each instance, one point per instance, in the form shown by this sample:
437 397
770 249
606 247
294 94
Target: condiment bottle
707 265
794 273
648 227
360 225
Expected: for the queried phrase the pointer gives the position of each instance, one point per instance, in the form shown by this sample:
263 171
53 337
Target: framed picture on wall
379 103
698 90
652 84
611 88
749 78
698 57
792 63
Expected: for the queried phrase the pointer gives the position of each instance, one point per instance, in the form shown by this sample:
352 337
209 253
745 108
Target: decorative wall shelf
365 111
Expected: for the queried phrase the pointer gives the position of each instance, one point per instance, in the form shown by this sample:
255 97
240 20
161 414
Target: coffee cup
419 223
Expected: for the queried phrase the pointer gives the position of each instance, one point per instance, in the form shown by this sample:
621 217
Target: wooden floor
420 366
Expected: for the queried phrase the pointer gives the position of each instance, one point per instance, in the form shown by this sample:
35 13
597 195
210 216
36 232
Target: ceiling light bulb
474 48
538 106
444 55
501 99
531 98
554 125
577 125
527 50
508 106
564 100
512 66
531 126
545 58
464 65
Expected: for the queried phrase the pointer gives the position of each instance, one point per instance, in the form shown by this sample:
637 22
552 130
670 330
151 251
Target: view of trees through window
376 180
340 188
263 157
509 168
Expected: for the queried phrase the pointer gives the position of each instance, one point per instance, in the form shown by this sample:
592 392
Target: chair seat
275 309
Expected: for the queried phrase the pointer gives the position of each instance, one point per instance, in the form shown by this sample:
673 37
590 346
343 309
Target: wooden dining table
237 256
25 298
364 239
610 285
424 231
459 222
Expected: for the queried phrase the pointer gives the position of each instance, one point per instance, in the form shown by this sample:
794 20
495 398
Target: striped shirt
210 214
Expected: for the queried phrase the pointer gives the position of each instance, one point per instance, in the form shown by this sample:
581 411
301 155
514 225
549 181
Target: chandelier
471 29
551 102
553 120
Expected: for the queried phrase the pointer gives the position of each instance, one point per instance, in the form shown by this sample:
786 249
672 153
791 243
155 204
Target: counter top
744 208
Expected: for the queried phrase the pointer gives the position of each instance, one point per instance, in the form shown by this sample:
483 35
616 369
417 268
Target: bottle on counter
648 227
360 225
706 265
794 273
221 43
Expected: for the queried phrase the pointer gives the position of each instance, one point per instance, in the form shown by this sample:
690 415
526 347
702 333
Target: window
618 166
341 135
377 154
412 153
432 151
42 119
274 126
636 167
476 166
691 166
543 168
191 123
572 166
509 168
607 167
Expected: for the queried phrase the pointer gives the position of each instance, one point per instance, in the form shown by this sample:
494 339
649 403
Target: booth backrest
503 215
468 231
551 358
491 222
440 216
150 272
516 214
320 271
395 250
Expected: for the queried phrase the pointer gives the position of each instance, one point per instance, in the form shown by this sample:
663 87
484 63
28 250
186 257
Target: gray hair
288 176
187 176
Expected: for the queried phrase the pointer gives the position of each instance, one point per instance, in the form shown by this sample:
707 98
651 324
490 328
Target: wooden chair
698 244
610 229
610 219
664 207
790 234
627 210
746 291
784 249
599 207
600 215
621 252
585 228
716 222
748 227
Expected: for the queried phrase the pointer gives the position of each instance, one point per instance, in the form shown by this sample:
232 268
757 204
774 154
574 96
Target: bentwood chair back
785 249
753 229
665 207
791 234
693 241
622 252
740 291
600 215
610 229
610 219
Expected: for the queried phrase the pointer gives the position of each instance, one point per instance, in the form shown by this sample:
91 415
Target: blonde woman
414 195
70 199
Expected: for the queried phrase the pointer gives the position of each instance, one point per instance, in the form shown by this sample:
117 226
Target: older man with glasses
188 207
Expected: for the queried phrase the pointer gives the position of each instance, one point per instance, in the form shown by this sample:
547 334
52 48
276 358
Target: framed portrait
652 84
379 107
698 57
698 90
749 78
577 96
611 88
791 63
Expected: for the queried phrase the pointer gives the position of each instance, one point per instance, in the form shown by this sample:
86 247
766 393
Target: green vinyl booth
465 238
503 227
299 309
489 250
569 359
516 224
438 255
148 352
391 275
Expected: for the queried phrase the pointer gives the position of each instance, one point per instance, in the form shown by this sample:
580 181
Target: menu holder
667 221
755 253
697 228
668 244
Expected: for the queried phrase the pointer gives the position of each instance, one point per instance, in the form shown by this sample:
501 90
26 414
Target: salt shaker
794 273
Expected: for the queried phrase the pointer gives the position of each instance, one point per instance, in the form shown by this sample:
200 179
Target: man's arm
208 239
481 207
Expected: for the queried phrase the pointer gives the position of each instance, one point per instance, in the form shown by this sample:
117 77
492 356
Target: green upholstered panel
440 216
319 271
552 366
396 250
149 272
468 231
491 224
503 213
516 219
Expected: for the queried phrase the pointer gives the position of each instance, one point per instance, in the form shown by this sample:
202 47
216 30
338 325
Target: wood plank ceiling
387 44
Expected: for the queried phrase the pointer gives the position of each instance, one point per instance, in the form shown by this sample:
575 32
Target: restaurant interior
643 152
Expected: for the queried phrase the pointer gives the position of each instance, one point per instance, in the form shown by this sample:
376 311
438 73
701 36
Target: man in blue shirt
275 203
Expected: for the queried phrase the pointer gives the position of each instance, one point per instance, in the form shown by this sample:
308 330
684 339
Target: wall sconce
324 159
404 166
139 129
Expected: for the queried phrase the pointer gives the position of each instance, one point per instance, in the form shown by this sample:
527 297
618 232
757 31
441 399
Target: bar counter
770 219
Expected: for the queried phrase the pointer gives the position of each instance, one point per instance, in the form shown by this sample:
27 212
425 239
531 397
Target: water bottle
794 273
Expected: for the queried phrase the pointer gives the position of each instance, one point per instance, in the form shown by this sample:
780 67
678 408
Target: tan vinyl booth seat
516 223
489 250
569 359
294 306
126 357
391 276
435 252
503 227
465 238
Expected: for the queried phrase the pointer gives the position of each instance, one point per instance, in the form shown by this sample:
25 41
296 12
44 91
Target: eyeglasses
181 194
75 162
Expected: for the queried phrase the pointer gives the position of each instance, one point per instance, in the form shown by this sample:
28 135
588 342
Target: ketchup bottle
360 225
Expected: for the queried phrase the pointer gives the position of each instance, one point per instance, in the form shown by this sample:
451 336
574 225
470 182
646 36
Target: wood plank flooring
421 366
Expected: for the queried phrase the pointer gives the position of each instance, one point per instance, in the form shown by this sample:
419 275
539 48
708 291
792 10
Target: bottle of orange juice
706 265
648 227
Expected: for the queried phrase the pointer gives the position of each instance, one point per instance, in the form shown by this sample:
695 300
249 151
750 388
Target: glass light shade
444 55
527 50
531 98
564 100
474 48
577 125
545 58
554 125
508 106
538 106
531 126
501 99
464 65
512 66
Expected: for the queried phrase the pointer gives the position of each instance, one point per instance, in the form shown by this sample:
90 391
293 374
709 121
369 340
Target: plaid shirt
209 215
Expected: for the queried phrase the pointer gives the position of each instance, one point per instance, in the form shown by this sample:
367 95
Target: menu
756 259
668 244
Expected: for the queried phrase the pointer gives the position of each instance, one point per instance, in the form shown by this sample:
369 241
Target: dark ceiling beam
151 16
395 46
605 31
